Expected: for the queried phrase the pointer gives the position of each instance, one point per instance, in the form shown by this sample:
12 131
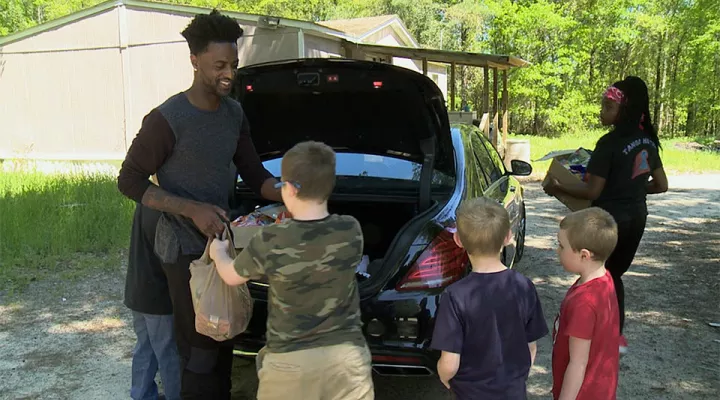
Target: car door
475 179
501 188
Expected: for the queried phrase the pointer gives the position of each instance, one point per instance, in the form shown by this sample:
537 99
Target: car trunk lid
350 105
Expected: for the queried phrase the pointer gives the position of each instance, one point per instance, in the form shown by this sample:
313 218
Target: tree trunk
591 75
536 117
464 32
659 84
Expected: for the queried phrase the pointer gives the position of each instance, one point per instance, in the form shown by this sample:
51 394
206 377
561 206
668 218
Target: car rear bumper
398 329
386 362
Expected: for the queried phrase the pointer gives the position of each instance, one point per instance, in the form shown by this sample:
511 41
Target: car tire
520 240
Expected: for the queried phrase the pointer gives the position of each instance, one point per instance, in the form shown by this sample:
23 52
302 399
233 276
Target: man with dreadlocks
189 143
619 175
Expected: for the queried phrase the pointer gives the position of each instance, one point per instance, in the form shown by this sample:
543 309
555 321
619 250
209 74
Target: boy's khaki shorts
340 372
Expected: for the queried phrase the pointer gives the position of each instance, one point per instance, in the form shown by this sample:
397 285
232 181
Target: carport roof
501 62
358 26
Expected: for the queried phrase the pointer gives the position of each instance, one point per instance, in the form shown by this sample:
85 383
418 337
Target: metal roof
501 62
358 27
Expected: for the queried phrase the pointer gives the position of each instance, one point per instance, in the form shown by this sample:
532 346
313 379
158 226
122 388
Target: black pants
205 363
629 235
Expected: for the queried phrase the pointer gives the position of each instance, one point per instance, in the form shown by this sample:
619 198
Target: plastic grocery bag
221 311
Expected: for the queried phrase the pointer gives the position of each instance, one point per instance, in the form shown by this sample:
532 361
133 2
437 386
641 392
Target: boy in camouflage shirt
315 348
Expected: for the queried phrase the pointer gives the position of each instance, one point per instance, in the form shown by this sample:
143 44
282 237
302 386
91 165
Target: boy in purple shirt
488 322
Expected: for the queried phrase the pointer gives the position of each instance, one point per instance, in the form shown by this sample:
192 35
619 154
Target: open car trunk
367 109
358 107
380 223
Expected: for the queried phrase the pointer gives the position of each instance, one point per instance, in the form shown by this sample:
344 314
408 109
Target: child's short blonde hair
592 229
483 225
310 165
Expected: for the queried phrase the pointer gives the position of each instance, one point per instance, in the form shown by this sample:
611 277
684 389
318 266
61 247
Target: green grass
675 160
59 225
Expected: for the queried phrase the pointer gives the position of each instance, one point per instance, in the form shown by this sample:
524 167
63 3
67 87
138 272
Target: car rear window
373 166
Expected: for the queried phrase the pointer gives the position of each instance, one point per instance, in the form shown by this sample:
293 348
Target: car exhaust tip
401 370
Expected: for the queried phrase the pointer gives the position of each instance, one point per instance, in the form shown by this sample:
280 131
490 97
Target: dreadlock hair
635 110
213 27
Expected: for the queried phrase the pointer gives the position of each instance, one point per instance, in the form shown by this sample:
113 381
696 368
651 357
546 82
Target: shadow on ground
79 348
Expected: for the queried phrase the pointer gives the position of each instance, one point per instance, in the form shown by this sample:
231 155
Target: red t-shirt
589 311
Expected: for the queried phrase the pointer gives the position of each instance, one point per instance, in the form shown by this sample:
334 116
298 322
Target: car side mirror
520 168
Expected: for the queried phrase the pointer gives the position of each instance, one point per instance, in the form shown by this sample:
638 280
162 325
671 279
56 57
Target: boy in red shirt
585 360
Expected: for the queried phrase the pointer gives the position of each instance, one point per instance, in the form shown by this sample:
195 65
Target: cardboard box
243 234
559 170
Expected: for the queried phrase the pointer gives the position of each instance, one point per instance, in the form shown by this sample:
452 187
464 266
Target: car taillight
440 264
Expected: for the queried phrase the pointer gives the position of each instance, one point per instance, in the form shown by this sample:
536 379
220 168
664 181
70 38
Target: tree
577 48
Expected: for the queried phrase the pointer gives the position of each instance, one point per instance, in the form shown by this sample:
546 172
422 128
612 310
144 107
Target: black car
402 171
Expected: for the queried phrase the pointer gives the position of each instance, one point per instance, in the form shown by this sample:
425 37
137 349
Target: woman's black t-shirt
626 159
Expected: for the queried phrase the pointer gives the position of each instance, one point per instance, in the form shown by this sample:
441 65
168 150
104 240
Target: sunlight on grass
50 219
675 160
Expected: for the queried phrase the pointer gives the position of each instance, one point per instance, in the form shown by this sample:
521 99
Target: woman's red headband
615 94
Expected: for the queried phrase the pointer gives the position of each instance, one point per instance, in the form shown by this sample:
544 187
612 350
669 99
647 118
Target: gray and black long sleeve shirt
190 150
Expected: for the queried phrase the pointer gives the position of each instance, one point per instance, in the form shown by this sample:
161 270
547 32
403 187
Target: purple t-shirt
489 319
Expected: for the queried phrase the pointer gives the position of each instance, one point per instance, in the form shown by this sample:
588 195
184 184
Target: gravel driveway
72 340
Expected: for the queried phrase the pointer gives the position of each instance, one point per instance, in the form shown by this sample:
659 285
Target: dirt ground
73 340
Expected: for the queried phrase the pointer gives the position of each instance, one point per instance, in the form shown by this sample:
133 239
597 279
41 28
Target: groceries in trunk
246 226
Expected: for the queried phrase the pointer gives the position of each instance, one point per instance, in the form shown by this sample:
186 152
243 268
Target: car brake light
377 84
440 264
249 88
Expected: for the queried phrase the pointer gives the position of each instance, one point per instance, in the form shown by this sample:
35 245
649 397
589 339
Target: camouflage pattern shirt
313 294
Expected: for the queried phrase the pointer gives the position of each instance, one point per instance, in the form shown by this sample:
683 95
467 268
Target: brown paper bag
221 311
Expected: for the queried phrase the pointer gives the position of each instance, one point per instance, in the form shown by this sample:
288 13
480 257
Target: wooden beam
424 66
495 110
505 101
445 56
486 97
452 87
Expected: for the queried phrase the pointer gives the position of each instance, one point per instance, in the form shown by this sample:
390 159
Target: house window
436 78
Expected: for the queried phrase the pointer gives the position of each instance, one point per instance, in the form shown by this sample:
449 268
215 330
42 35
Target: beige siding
149 28
98 31
317 47
88 103
145 26
386 36
268 45
154 73
66 105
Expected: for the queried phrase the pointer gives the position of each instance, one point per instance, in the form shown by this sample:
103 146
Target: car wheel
520 240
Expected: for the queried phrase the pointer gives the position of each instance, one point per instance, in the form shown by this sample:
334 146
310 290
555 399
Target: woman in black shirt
619 172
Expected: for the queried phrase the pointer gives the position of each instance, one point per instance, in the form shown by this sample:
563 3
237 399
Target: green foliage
677 159
577 48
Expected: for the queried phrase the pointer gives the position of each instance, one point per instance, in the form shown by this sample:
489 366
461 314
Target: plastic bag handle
225 235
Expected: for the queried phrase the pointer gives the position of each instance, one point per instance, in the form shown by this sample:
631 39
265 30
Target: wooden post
424 66
505 101
486 98
452 87
494 136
